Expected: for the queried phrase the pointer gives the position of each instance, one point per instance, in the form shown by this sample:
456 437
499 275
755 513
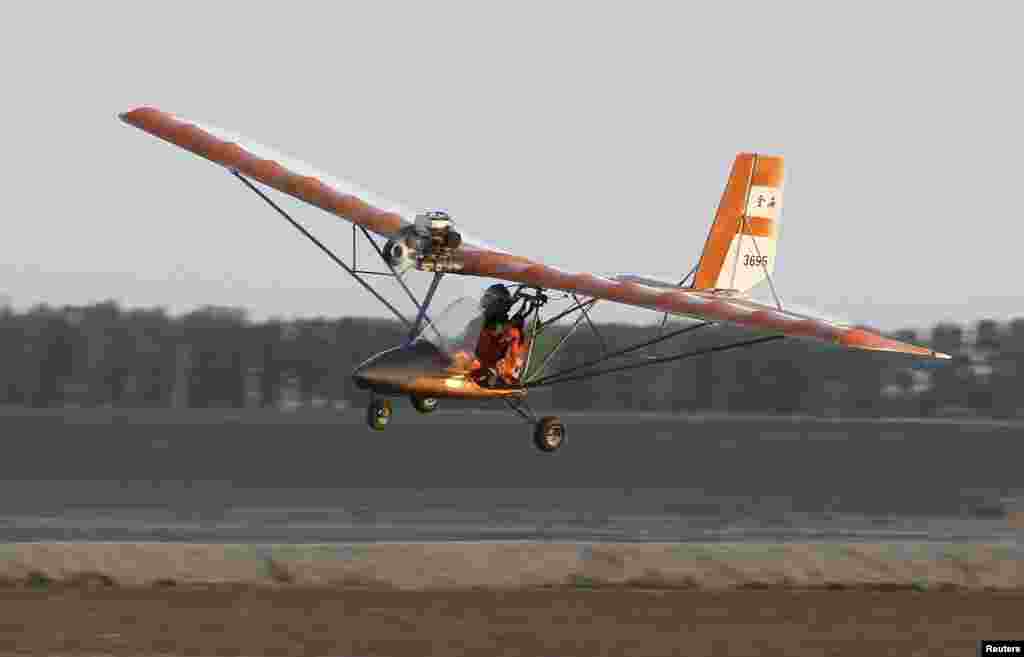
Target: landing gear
549 434
424 404
378 414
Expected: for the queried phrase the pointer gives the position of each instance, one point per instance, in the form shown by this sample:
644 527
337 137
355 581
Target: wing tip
867 339
126 116
129 116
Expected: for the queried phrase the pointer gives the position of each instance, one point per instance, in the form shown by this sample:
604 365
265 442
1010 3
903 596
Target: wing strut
593 327
664 319
426 304
620 352
556 379
534 324
355 272
352 272
398 277
548 322
367 272
554 351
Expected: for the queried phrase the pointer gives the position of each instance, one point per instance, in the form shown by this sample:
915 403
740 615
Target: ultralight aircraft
435 362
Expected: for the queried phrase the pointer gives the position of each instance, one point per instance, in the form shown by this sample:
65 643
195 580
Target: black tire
424 404
378 414
549 434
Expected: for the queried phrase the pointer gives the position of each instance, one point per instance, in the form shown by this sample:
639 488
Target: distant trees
103 355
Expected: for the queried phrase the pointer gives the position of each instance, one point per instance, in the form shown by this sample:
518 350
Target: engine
438 227
429 244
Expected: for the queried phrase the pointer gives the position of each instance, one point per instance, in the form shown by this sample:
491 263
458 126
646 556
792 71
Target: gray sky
591 138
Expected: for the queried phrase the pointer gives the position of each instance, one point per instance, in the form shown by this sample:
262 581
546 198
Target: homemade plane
739 254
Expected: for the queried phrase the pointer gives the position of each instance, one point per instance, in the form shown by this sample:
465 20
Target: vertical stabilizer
740 251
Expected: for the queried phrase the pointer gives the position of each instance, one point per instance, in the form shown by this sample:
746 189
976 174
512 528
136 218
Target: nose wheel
378 414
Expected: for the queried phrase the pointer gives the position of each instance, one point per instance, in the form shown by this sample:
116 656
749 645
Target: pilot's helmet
496 299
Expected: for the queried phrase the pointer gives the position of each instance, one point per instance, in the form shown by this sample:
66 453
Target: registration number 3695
755 260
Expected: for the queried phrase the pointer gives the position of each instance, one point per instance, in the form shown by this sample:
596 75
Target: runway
243 524
258 477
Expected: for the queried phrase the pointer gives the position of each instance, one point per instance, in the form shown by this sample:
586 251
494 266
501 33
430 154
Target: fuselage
422 369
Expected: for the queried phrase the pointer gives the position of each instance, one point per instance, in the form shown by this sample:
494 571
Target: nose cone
398 369
373 372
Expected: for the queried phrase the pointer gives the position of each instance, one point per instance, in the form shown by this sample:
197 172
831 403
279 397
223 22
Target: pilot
500 349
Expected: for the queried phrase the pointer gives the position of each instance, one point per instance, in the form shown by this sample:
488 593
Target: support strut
550 381
534 323
400 279
578 306
330 254
426 304
664 319
517 406
593 327
554 351
621 352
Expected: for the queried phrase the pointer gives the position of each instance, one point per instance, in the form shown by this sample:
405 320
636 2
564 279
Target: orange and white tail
740 250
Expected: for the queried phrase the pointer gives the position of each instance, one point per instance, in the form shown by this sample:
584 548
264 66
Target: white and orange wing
285 174
663 296
350 202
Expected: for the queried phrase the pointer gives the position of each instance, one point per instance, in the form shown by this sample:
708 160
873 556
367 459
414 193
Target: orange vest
502 347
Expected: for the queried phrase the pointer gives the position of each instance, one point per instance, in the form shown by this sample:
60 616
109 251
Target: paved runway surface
253 476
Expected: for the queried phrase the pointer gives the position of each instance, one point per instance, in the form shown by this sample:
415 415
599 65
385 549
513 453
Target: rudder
741 246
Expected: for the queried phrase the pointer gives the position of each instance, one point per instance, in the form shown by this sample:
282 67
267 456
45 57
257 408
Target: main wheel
549 434
424 404
378 414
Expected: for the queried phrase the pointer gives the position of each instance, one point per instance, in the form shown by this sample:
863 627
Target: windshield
455 328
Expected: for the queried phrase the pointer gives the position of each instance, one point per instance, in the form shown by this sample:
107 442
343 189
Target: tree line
105 355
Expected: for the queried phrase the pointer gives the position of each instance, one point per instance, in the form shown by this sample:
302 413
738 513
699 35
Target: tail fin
740 249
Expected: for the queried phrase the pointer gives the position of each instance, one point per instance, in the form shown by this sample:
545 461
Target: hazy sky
590 137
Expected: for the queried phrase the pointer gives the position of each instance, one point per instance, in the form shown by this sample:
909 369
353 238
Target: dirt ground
236 620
